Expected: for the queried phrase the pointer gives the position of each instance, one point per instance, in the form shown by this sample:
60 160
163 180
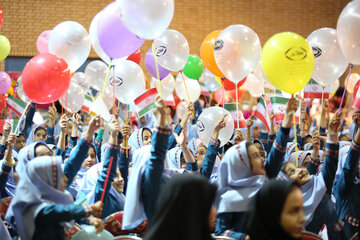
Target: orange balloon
207 53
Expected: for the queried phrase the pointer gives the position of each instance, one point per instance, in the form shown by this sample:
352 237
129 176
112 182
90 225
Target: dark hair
283 166
21 135
308 136
145 128
248 144
38 129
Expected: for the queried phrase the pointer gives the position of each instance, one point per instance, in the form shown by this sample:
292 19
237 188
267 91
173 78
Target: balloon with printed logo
348 31
70 41
73 99
167 85
42 42
115 38
95 40
129 81
95 73
147 19
210 80
4 47
5 82
194 67
237 51
45 78
206 123
193 88
81 80
207 53
330 62
150 65
288 61
135 57
172 50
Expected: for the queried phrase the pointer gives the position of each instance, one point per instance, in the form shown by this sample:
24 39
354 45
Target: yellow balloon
218 79
288 61
4 47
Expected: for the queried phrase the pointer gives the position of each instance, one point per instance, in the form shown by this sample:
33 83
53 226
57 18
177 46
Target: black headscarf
264 219
182 210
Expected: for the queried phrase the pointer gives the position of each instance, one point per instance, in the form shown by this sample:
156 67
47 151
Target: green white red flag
87 103
279 107
17 104
314 90
261 114
231 107
145 102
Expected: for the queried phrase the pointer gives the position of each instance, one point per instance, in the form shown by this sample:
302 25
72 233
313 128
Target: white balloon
334 86
95 73
95 41
330 62
354 78
206 123
167 85
148 19
129 81
108 97
193 88
70 41
172 50
210 80
348 31
259 74
73 100
181 109
237 51
255 86
80 78
20 91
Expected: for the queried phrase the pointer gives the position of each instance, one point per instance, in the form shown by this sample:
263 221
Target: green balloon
194 67
4 47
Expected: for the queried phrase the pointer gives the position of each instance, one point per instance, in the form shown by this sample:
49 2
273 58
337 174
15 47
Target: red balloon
45 78
229 85
135 57
1 17
356 87
233 94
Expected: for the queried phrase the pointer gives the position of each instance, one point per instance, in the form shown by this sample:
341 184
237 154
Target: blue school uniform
212 151
347 192
123 164
233 224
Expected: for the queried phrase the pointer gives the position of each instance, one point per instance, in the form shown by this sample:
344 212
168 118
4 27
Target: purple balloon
151 66
5 82
115 39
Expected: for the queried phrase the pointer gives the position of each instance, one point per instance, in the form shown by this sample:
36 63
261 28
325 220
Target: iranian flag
170 101
231 107
279 107
87 103
18 106
204 90
314 90
14 124
261 113
146 102
356 104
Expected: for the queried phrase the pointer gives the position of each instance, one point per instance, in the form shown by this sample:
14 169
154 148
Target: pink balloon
5 82
42 41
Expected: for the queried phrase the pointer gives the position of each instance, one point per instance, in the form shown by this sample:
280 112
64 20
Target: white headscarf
236 183
136 139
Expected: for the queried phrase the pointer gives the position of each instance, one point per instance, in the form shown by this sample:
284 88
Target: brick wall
24 20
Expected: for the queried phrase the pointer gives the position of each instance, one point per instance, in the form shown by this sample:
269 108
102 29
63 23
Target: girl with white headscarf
242 172
41 206
318 207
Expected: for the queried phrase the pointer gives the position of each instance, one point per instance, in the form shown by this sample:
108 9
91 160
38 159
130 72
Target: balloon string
206 102
347 81
126 138
223 90
237 109
157 70
295 139
66 104
106 181
114 99
322 105
106 79
187 92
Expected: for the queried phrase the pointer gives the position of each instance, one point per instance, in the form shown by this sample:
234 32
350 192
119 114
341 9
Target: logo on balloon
117 81
219 44
160 51
296 54
317 51
200 126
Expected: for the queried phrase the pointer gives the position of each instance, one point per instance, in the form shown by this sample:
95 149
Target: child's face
146 137
90 160
20 142
200 155
40 135
257 162
118 183
300 175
